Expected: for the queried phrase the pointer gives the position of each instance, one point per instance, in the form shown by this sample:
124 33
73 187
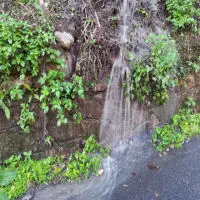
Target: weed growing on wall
183 13
151 79
24 47
184 125
30 172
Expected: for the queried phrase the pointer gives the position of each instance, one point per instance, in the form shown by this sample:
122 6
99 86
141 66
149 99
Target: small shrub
23 172
183 13
152 80
184 125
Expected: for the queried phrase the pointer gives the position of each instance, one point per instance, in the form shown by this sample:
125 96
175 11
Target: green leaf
6 177
28 87
6 110
3 196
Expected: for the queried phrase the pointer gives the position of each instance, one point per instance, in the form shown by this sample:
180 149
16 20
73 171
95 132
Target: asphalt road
127 176
178 177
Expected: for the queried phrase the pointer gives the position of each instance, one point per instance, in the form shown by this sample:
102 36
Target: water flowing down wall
123 117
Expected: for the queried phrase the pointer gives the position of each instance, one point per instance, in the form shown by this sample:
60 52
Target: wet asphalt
175 176
141 175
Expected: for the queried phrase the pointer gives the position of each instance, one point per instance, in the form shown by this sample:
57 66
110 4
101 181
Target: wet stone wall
13 140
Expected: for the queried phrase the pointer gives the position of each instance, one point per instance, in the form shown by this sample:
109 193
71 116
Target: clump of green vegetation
30 172
115 21
5 178
24 47
183 13
184 125
83 164
152 80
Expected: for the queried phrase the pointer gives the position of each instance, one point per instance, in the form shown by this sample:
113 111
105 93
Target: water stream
122 118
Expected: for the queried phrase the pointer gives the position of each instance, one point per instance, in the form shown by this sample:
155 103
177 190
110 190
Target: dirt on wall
87 21
95 26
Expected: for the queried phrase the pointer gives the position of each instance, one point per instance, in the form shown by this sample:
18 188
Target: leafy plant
115 21
29 172
183 13
26 118
184 125
84 164
24 47
20 172
5 178
151 80
61 95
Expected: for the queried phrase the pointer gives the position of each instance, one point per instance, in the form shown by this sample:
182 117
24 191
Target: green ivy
184 125
183 13
150 80
24 47
61 95
26 118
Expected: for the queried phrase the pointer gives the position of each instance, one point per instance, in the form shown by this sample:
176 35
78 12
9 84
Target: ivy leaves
151 80
183 13
61 95
24 47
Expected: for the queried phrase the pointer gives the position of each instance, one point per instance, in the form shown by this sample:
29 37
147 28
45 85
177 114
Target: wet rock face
13 140
75 51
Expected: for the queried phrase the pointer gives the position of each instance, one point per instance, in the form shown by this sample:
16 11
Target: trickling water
122 118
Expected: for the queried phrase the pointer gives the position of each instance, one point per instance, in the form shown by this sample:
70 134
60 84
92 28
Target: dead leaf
152 167
134 174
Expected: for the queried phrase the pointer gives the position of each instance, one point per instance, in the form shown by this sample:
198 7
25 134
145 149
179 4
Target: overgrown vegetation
32 172
184 125
183 13
83 164
24 47
5 178
151 79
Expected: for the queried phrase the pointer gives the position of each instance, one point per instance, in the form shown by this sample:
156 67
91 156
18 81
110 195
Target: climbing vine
151 79
24 47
